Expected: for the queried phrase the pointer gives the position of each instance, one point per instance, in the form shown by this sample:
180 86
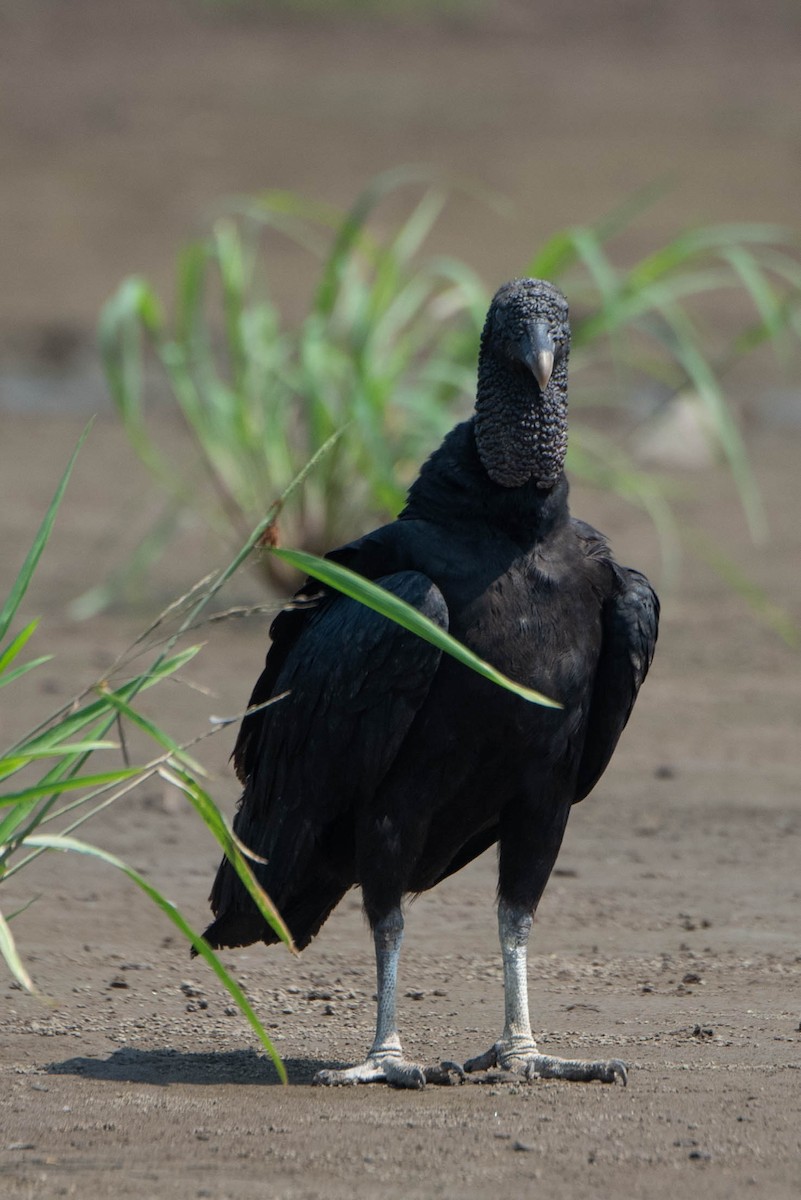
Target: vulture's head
521 404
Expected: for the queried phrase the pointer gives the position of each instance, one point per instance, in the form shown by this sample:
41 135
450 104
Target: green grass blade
591 252
10 676
215 822
552 259
37 790
168 666
69 722
351 232
56 842
101 715
159 736
702 377
384 602
10 764
20 584
8 949
766 301
418 226
13 649
235 273
190 279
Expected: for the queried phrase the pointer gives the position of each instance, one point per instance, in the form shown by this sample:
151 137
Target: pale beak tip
543 368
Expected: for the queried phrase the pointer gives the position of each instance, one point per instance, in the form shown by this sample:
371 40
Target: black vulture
390 765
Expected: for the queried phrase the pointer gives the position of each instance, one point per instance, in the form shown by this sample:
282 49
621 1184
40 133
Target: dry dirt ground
669 934
667 937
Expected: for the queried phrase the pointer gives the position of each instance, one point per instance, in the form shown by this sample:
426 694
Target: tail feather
233 929
238 922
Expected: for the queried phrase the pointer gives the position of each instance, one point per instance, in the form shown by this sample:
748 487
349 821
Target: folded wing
354 682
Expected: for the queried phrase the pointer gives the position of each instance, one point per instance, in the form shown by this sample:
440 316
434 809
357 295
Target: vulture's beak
537 353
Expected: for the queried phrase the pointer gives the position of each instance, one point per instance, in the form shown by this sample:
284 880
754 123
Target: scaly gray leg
385 1062
517 1051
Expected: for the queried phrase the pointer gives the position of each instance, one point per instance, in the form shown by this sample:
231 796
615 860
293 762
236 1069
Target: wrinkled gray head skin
521 403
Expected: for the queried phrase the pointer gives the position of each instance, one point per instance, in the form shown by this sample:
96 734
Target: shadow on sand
164 1067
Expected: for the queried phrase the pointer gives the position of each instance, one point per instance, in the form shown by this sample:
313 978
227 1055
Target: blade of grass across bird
391 606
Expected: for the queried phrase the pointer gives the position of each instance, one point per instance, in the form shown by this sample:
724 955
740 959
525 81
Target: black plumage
389 765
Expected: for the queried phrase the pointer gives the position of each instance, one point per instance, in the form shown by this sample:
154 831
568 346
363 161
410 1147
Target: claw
485 1061
442 1074
533 1065
617 1070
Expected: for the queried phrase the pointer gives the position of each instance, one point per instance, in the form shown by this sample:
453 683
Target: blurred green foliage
387 349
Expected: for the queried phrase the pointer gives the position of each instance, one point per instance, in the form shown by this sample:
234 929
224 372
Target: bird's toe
486 1061
445 1073
613 1071
528 1062
370 1071
402 1074
544 1066
397 1072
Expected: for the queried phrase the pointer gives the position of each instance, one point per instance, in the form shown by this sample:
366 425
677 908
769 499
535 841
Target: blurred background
124 127
131 131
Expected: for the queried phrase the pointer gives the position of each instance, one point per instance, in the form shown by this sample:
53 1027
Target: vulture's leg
530 838
517 1051
385 1062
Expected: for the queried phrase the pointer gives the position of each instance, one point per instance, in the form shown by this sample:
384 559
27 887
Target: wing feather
355 681
630 619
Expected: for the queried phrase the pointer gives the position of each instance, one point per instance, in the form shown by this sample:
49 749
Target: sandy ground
668 935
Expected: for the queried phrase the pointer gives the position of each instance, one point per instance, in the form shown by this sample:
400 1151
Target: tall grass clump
386 354
378 356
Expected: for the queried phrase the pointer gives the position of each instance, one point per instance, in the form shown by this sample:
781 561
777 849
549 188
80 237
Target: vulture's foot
528 1062
394 1070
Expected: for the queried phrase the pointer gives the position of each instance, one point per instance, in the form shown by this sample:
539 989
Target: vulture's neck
505 466
454 489
521 434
